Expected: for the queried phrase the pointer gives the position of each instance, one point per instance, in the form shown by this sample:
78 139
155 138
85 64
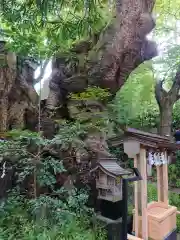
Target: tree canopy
42 28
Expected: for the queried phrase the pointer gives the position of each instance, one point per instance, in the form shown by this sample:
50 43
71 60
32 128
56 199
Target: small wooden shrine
109 179
156 220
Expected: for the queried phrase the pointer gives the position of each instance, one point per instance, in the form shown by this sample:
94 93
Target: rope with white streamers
157 158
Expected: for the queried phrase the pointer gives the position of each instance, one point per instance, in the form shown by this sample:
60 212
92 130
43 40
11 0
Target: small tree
167 87
166 100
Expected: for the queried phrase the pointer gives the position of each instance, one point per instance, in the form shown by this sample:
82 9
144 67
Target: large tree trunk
122 46
166 101
17 94
166 120
7 80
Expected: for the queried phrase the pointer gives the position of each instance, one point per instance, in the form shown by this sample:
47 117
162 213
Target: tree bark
166 101
17 94
121 47
166 120
7 80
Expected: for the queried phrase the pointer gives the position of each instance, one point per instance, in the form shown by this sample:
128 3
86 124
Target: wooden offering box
161 220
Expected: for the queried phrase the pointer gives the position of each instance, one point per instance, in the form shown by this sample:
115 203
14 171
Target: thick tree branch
150 5
160 92
178 97
174 91
166 101
122 47
28 90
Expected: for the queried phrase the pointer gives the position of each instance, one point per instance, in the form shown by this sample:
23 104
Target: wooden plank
139 205
159 183
131 148
162 182
143 167
131 237
165 182
136 216
139 132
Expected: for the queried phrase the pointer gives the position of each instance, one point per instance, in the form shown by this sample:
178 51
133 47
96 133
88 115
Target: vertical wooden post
165 180
136 200
139 205
162 182
143 193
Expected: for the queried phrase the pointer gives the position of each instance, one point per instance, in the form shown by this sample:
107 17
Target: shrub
17 221
43 217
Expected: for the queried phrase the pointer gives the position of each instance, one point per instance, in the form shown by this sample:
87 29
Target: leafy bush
56 214
21 219
174 172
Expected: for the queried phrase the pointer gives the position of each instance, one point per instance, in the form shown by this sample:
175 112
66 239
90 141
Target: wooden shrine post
143 193
162 182
134 150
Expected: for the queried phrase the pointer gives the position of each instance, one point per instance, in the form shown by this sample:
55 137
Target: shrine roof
145 139
110 167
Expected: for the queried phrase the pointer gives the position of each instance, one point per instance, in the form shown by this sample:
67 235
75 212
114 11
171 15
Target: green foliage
152 192
91 93
135 102
17 221
92 112
58 214
42 28
167 12
23 151
176 118
49 165
174 172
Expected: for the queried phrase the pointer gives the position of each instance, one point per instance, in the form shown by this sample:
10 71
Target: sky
44 81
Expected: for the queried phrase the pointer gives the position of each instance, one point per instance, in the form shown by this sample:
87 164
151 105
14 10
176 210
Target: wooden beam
165 181
162 182
136 201
130 237
143 171
139 205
